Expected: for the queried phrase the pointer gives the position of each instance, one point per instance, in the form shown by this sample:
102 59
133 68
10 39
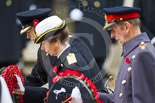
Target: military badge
142 45
71 58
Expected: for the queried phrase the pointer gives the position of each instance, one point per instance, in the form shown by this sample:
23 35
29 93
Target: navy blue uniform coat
42 73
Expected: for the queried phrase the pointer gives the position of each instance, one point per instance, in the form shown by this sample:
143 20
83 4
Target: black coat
10 42
89 70
42 71
147 16
43 67
43 3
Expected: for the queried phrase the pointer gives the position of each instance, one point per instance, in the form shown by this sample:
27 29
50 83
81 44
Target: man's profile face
118 33
31 34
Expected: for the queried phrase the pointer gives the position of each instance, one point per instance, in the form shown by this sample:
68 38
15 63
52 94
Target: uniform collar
63 51
133 43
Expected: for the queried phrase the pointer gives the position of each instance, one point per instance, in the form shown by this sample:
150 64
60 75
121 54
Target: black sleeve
34 94
144 27
38 76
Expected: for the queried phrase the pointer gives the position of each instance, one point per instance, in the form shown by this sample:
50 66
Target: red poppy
88 82
127 60
55 69
55 79
47 94
82 76
75 73
35 22
61 73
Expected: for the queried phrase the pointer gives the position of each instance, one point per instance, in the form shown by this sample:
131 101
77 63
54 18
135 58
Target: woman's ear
57 43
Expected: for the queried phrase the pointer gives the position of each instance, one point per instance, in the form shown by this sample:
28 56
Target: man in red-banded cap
135 80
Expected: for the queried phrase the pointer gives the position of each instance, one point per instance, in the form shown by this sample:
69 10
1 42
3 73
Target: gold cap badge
142 45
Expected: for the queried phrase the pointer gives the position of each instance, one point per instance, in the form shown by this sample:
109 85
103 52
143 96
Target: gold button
97 4
133 56
85 3
62 65
123 82
8 2
46 54
129 69
120 95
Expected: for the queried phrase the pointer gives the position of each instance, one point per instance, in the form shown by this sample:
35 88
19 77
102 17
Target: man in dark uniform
33 92
135 80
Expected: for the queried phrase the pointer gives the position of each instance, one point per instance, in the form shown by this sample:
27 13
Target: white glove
76 96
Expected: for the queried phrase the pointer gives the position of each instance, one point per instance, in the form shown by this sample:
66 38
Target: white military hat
49 27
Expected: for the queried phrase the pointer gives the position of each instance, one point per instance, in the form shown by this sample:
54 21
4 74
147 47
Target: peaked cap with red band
119 13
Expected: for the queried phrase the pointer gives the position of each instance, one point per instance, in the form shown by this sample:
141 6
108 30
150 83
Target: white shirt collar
68 45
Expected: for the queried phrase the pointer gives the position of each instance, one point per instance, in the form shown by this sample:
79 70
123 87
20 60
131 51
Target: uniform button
85 3
129 69
8 2
123 82
97 4
120 95
142 43
62 65
133 56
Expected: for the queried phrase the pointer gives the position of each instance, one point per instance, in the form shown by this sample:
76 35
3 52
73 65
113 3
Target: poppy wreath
81 76
9 74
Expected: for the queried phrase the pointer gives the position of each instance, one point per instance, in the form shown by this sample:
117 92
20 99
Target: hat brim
109 25
25 30
49 33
